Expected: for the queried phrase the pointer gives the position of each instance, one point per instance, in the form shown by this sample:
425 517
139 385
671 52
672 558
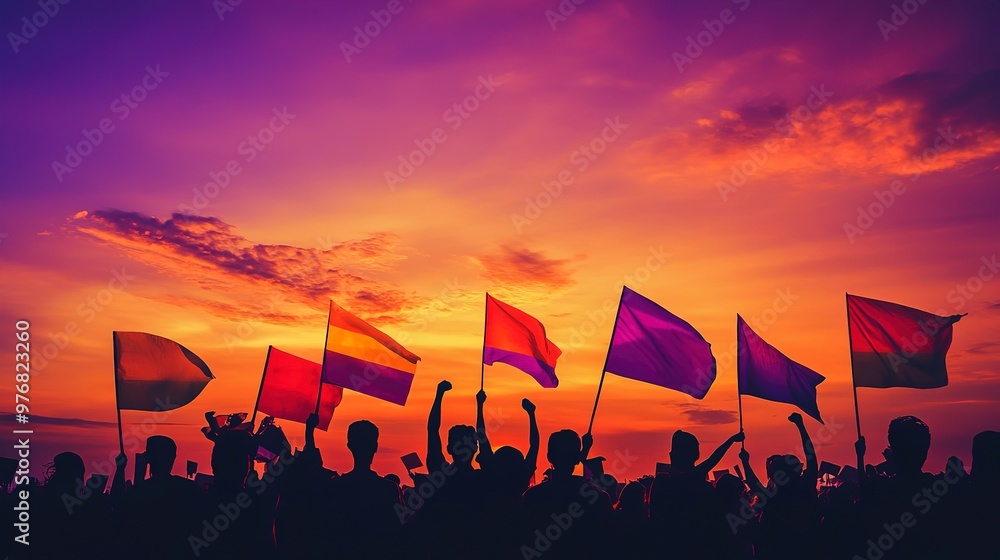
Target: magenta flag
765 372
653 345
897 346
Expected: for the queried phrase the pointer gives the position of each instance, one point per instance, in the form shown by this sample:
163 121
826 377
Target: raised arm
118 482
707 465
485 449
812 465
311 424
531 458
435 454
751 477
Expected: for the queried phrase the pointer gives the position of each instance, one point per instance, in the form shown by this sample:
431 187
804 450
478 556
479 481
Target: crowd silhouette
299 509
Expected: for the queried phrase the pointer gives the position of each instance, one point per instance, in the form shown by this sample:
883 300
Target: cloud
515 266
913 124
702 416
271 282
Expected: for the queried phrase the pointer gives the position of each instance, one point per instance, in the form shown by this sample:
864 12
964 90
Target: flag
716 475
290 387
897 346
364 359
829 468
765 372
653 345
515 338
411 461
192 468
155 373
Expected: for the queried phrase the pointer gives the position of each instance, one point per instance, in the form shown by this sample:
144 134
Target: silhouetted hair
986 454
362 437
564 449
462 435
684 449
909 440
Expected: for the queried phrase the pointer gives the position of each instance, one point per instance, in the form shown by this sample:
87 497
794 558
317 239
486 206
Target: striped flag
364 359
515 338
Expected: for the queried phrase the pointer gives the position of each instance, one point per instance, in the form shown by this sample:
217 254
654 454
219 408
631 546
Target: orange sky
820 112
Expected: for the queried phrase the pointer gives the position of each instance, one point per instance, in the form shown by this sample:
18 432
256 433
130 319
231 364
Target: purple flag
653 345
767 373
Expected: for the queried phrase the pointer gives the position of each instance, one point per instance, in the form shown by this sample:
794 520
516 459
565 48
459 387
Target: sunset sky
564 154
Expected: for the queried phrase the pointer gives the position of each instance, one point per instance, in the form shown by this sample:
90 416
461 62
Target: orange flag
154 373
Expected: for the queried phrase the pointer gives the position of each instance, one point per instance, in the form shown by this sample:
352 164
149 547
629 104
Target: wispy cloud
258 280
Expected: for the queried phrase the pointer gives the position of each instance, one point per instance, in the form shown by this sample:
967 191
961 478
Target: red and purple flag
651 344
517 339
290 387
897 346
765 372
364 359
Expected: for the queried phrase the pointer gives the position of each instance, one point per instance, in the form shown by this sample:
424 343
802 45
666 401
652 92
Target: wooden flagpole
482 362
605 367
260 390
319 393
854 384
118 408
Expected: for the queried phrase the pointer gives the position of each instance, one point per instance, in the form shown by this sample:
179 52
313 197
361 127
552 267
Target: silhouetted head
393 478
684 449
362 440
986 456
232 457
462 444
161 452
632 498
507 469
729 488
67 468
564 450
909 440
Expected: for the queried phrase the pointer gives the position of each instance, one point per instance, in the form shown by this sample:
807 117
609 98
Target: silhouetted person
565 516
790 515
365 506
629 530
159 513
68 520
449 520
686 517
903 510
974 519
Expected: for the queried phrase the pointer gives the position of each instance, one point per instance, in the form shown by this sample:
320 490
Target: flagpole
482 362
604 368
253 417
319 393
850 344
118 409
739 389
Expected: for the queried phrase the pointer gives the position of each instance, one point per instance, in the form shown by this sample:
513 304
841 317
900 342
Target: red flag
290 387
897 346
518 339
155 373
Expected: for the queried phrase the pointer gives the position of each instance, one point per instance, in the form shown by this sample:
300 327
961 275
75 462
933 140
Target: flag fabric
192 468
154 373
364 359
411 461
897 346
290 387
716 475
829 468
651 344
517 339
765 372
